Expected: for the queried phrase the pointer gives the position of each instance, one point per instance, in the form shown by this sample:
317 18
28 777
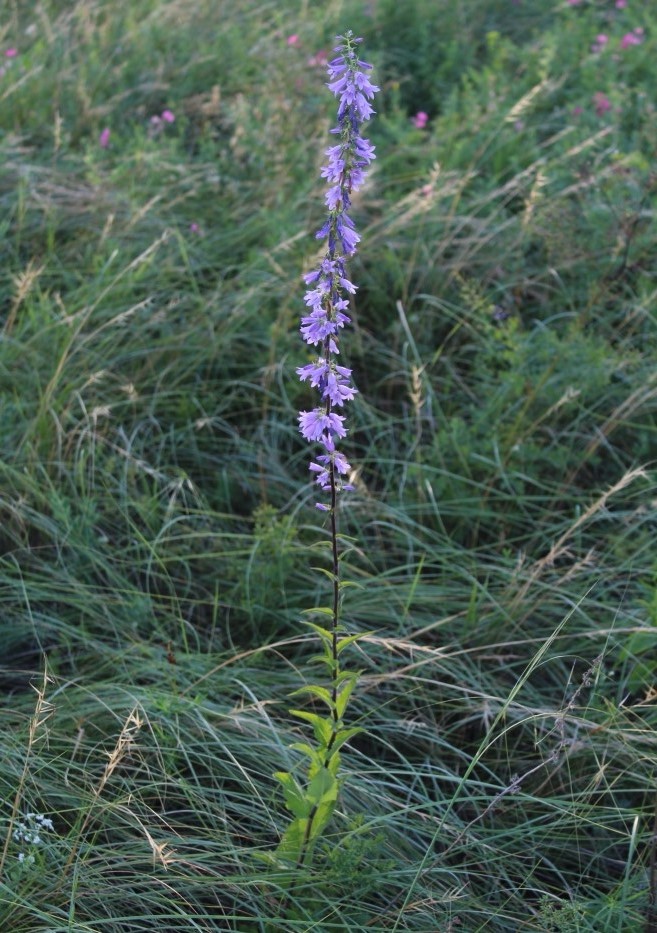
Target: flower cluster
28 832
632 38
327 299
629 39
157 122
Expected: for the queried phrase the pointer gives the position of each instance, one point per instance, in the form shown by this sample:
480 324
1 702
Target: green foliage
157 535
313 804
564 918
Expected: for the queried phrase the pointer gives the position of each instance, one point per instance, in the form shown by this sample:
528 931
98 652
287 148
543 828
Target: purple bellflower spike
322 325
327 299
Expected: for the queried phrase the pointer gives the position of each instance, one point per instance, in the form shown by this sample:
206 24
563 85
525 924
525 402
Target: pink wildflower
11 53
602 103
600 41
420 119
632 38
104 138
168 116
621 4
578 111
194 228
318 60
293 39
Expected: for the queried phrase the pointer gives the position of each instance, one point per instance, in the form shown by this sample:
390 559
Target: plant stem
336 592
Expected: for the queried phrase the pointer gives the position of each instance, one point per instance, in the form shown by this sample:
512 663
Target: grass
157 535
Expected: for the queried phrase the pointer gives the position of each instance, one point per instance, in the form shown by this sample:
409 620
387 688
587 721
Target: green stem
335 666
336 592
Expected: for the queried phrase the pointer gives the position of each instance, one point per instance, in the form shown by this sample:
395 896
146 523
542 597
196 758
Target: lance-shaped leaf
346 690
343 736
320 692
295 799
323 728
292 841
350 639
323 787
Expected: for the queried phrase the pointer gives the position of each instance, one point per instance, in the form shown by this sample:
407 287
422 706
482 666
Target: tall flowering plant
327 302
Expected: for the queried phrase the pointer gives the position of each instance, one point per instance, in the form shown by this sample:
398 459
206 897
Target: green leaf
343 736
333 763
344 694
323 728
295 799
320 692
321 819
323 659
327 573
346 675
317 610
323 787
292 840
324 633
350 639
308 750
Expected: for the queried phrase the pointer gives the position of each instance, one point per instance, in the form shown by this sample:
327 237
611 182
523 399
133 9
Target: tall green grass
157 535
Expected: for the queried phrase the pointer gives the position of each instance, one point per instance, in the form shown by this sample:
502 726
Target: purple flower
315 373
316 425
327 298
323 468
337 390
316 327
347 234
336 197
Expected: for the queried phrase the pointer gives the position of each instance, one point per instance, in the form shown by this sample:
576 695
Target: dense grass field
159 545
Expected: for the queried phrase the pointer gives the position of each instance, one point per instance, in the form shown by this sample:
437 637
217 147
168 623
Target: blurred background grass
157 534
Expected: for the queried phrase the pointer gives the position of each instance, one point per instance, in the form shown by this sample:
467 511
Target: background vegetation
159 190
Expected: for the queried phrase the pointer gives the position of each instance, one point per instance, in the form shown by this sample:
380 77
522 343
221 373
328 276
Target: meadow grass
157 532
